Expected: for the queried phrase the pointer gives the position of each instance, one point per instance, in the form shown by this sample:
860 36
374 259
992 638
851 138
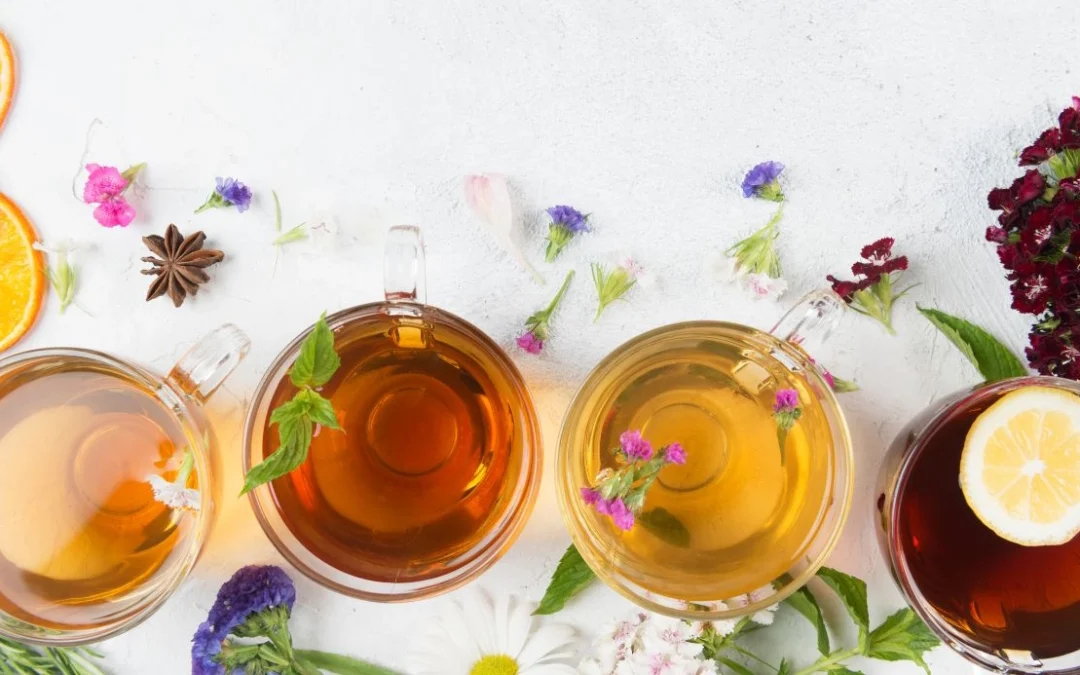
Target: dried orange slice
1020 469
22 274
7 77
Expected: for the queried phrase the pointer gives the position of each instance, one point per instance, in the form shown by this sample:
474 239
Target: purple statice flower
621 515
675 454
251 590
227 192
763 182
569 217
635 446
590 496
566 222
786 400
234 192
529 342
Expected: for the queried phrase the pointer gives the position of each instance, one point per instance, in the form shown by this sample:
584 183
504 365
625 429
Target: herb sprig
19 659
297 417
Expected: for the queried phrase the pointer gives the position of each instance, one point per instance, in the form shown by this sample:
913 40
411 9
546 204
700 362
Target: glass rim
472 562
179 407
960 642
570 504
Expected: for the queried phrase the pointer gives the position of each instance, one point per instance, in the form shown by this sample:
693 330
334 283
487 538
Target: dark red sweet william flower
875 268
1038 244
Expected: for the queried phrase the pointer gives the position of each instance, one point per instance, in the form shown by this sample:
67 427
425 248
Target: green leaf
318 361
132 171
319 410
993 359
841 386
341 665
294 435
804 602
737 667
902 637
852 592
277 211
665 526
298 233
290 411
843 670
571 576
785 667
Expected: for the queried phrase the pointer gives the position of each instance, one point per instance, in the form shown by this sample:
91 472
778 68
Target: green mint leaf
804 602
294 434
665 526
319 409
902 637
290 411
317 361
993 359
785 667
342 665
852 592
571 577
735 666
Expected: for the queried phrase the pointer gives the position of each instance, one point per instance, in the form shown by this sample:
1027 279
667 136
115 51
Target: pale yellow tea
82 537
734 517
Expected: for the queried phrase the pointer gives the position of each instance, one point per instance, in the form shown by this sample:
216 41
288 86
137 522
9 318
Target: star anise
179 264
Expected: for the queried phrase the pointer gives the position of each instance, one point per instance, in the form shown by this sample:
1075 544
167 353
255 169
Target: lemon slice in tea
1020 470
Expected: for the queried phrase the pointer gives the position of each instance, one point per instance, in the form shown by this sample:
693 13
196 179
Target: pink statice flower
675 454
786 400
635 446
105 186
621 515
530 343
590 496
786 412
103 183
114 213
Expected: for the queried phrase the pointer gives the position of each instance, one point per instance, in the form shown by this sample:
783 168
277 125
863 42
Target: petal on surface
551 641
479 618
518 627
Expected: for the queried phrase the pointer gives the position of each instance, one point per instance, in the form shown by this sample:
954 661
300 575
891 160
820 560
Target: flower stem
827 663
559 296
342 665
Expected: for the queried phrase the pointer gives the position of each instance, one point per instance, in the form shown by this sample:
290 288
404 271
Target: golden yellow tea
426 460
736 515
81 533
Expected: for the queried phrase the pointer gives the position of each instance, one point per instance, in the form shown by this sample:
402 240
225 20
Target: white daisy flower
484 637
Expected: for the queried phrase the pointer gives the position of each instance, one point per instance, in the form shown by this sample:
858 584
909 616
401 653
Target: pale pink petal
114 213
489 198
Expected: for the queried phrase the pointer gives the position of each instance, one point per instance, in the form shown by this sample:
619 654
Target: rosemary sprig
17 658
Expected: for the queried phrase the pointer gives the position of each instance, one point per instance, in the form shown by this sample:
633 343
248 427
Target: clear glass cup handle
206 365
811 320
404 271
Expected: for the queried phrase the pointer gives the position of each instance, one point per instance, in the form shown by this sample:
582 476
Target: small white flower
62 245
661 663
173 495
764 286
634 268
496 637
671 636
707 668
763 616
723 268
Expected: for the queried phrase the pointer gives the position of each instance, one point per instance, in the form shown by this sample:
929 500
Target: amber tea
736 516
427 458
82 536
1005 597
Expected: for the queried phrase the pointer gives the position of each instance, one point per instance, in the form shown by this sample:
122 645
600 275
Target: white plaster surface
894 118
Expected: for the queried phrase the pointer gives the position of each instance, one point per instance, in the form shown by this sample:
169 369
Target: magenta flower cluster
105 186
620 493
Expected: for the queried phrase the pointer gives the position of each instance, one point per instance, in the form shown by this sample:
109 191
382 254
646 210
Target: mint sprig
571 577
993 359
296 418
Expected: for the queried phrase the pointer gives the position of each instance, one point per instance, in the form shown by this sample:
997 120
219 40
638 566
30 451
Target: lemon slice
1020 471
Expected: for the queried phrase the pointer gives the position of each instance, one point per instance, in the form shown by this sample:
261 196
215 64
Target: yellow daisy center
495 664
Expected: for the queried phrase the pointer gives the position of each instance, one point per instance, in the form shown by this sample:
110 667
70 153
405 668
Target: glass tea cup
1006 607
435 469
106 486
738 527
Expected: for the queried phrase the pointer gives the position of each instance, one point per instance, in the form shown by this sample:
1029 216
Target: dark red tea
1003 595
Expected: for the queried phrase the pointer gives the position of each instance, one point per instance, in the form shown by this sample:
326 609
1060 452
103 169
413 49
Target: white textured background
894 118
